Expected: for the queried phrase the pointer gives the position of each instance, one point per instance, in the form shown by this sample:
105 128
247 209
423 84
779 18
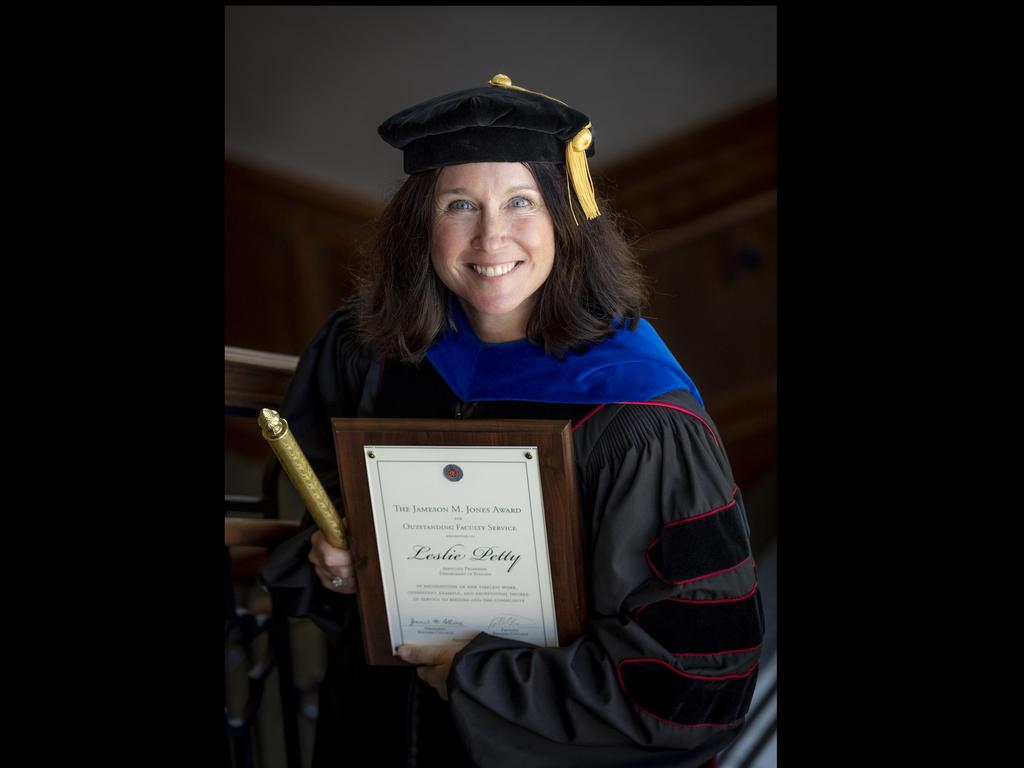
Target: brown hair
404 304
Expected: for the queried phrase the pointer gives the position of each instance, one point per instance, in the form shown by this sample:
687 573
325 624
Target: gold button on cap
582 140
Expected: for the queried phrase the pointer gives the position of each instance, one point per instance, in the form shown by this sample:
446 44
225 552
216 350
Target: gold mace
275 430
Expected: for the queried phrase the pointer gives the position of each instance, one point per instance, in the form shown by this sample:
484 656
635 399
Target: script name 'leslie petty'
421 552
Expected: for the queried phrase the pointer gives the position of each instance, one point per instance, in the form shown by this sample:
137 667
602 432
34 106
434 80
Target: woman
486 294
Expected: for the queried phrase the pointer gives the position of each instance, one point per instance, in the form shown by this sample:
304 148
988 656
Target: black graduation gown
665 672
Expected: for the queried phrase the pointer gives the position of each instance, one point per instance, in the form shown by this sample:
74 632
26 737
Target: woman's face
493 244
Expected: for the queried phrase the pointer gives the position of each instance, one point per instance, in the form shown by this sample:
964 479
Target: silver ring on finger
337 581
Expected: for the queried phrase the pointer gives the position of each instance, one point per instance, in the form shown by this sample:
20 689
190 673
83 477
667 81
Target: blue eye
457 207
523 199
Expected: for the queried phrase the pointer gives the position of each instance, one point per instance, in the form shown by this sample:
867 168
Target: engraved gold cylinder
275 430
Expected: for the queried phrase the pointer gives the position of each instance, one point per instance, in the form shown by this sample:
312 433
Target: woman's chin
496 312
491 307
498 321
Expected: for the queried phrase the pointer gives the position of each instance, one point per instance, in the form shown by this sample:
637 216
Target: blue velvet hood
629 366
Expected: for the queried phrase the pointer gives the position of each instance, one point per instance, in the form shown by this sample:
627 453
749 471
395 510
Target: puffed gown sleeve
329 381
665 671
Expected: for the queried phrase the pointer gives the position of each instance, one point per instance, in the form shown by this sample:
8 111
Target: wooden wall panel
289 251
714 301
700 172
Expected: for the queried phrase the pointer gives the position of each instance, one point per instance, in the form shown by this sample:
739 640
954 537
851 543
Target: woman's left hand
434 661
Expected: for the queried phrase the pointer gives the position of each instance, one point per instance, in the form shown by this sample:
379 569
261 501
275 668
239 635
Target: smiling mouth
496 270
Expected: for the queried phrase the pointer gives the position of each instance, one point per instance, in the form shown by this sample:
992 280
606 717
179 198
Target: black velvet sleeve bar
636 689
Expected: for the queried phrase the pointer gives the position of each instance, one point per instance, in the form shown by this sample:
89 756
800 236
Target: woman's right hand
330 562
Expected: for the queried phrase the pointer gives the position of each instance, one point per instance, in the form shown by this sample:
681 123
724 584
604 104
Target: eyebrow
464 191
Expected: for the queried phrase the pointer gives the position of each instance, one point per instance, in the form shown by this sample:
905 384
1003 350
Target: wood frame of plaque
556 463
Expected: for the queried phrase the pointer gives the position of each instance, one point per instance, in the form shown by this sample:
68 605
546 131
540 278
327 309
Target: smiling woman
444 222
498 286
493 245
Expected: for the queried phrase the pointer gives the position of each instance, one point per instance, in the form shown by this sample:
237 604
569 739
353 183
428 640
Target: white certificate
462 543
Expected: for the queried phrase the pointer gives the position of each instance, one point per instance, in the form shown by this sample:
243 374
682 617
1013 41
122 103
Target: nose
490 232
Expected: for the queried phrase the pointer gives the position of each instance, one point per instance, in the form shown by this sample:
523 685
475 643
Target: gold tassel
576 168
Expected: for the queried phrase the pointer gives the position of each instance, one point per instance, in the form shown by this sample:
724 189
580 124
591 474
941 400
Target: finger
330 557
420 654
345 572
334 557
323 553
347 585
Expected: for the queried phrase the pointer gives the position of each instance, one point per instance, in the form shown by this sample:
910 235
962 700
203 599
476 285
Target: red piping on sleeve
722 600
695 517
662 405
582 421
699 602
695 578
688 675
684 410
618 672
718 653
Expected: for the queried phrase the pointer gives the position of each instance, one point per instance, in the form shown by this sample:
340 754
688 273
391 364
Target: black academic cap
498 123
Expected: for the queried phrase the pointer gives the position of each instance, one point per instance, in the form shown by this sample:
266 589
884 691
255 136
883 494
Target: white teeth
496 271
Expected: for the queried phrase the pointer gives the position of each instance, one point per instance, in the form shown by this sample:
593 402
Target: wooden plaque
355 438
